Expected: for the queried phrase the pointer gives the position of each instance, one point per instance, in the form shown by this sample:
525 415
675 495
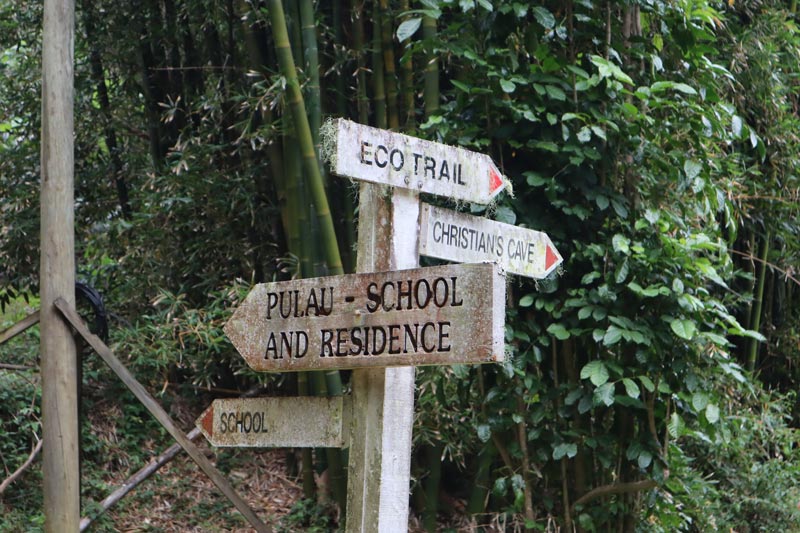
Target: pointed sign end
495 180
551 257
206 422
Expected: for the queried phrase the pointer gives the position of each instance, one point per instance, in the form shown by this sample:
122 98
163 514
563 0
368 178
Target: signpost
297 422
425 316
454 236
389 158
391 314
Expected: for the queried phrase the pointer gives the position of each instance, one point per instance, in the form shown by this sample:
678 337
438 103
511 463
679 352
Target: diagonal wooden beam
24 324
72 317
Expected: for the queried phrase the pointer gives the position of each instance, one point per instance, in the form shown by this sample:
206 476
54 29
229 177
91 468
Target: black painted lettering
430 165
403 294
365 153
394 337
417 157
444 173
441 292
272 346
373 298
422 303
376 349
326 348
223 424
396 162
356 344
378 150
444 335
386 285
341 342
455 302
422 335
272 302
410 337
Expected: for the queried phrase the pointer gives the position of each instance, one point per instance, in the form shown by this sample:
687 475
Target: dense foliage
649 386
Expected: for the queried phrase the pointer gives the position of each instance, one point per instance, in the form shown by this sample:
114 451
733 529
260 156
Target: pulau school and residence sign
454 236
285 422
381 156
448 314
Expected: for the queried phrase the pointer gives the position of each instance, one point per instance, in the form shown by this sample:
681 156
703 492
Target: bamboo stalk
759 299
357 8
378 76
311 61
431 87
310 162
407 79
389 71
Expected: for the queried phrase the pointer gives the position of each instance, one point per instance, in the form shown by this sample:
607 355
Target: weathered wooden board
296 422
381 156
427 316
448 234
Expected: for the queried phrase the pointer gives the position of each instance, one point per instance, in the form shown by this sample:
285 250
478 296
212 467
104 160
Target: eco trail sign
286 422
447 234
381 156
426 316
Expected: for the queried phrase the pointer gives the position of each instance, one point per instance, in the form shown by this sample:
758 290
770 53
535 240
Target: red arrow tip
208 420
495 181
550 257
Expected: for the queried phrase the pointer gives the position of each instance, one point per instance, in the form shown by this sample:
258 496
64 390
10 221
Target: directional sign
382 156
426 316
454 236
299 422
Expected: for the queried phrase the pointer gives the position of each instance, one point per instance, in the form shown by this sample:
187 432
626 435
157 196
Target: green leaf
526 301
565 449
407 28
559 331
544 17
631 388
596 372
621 244
612 336
585 312
605 394
462 86
692 168
622 272
661 86
484 432
508 86
644 459
555 93
647 383
573 396
674 425
712 413
699 401
683 328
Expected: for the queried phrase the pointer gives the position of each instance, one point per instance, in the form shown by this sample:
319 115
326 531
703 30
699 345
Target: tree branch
10 479
615 488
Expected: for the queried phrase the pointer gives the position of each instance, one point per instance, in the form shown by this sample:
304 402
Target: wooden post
383 399
57 273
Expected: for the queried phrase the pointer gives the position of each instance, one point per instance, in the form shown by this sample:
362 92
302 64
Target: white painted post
383 399
57 273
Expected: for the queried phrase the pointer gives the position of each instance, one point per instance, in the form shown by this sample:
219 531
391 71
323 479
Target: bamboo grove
650 386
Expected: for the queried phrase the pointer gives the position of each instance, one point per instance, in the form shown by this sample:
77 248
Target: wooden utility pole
57 272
